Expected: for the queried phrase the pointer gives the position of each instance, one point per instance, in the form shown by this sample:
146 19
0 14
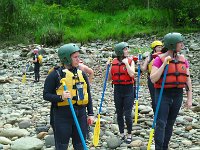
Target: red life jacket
154 55
119 72
176 75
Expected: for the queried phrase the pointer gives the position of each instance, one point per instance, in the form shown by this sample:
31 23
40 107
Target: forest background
52 22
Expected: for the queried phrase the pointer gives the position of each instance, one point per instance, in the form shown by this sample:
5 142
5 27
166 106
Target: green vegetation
51 22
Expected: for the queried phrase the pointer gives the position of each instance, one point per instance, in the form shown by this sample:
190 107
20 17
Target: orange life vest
176 75
119 72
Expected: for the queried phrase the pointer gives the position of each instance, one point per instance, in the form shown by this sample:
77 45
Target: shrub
52 36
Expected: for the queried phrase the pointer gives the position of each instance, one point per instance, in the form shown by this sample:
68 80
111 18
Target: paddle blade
136 112
24 78
96 132
150 139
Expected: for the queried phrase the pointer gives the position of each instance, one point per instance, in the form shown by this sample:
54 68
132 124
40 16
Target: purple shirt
158 62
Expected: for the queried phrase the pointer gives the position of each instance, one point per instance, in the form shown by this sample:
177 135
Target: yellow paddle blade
24 78
150 139
136 112
96 132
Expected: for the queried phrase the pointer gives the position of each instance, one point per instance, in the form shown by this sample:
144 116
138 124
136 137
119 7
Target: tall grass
53 24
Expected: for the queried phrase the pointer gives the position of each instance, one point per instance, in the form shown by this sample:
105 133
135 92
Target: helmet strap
174 54
120 58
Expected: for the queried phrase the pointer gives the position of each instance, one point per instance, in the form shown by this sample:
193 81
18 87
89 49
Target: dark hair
164 50
151 57
120 58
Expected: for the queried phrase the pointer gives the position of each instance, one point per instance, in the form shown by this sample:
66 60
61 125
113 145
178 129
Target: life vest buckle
177 73
80 93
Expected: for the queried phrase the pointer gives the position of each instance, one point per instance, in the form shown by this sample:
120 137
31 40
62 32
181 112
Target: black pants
152 94
37 72
169 107
124 100
64 127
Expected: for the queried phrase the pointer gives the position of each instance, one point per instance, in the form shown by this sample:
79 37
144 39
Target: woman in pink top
178 77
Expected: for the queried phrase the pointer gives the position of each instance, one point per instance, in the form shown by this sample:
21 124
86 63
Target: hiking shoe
122 138
129 140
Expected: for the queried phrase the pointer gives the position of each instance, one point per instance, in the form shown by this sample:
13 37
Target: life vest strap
174 83
118 64
177 62
119 73
75 77
122 80
177 74
75 98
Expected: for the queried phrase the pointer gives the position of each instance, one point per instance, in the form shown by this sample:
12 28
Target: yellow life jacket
71 80
53 68
40 59
50 70
150 66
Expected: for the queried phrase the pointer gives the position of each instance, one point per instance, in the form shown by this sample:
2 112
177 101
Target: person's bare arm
35 60
143 66
88 71
130 68
189 90
157 72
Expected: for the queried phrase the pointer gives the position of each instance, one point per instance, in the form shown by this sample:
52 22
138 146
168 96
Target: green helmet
65 51
171 39
119 48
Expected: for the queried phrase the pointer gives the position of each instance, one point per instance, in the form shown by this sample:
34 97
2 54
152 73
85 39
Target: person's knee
160 124
170 124
128 114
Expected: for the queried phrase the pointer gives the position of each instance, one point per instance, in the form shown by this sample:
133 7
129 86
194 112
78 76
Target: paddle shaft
137 91
75 119
97 125
160 96
104 87
157 107
138 79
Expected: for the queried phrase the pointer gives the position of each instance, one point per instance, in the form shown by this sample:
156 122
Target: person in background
36 65
122 75
178 77
61 118
156 47
87 70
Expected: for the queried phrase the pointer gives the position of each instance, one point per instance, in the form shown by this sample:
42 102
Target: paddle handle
96 132
136 112
75 118
150 139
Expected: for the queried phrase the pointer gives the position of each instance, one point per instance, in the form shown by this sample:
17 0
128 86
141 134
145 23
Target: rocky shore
24 115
